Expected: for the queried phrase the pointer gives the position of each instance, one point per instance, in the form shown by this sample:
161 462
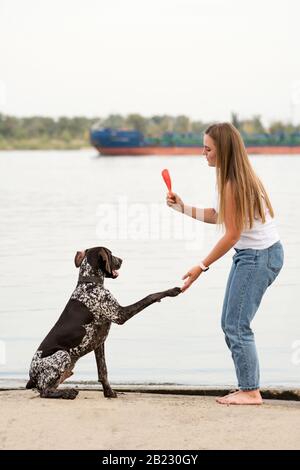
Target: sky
201 58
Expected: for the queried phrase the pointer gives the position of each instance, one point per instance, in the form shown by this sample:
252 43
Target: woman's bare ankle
253 393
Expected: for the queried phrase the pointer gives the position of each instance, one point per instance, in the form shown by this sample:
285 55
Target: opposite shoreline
163 151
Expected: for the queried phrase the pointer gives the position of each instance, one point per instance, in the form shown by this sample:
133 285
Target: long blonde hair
233 165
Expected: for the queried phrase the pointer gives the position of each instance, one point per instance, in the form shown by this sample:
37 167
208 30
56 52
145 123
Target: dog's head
101 258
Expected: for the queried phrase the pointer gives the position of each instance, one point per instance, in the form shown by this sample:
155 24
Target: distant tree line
64 132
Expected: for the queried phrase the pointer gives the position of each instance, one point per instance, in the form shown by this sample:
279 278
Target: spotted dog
84 325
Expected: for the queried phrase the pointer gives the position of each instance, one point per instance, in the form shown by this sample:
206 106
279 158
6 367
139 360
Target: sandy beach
144 421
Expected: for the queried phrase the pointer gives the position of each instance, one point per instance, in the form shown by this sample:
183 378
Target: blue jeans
252 272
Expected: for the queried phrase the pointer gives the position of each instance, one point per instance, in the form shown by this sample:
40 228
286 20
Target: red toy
167 179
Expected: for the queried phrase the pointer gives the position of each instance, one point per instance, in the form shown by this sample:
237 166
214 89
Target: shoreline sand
144 421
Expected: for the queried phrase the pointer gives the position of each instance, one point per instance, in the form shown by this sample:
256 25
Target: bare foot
228 395
241 397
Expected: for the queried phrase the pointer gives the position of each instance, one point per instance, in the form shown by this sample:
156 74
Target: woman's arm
207 215
232 234
229 239
221 248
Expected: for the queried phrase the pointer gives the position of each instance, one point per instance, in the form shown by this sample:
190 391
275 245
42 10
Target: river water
54 203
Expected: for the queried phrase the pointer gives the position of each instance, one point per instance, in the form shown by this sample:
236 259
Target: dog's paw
110 394
174 292
70 394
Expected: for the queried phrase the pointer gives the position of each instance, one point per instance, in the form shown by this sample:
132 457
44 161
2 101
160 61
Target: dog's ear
105 261
79 258
93 258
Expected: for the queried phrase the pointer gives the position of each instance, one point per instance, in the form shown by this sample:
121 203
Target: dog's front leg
102 372
125 313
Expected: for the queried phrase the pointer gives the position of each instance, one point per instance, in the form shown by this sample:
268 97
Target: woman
244 210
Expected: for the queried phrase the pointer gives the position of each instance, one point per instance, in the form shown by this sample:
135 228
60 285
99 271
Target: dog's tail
31 384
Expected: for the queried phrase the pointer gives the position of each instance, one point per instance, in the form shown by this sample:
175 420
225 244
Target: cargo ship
120 142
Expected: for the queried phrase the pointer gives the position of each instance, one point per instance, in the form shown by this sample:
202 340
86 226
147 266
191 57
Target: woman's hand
174 201
192 275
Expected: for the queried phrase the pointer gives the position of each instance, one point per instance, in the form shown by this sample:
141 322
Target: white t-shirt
260 236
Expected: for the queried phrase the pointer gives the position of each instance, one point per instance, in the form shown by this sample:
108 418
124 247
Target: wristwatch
203 267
